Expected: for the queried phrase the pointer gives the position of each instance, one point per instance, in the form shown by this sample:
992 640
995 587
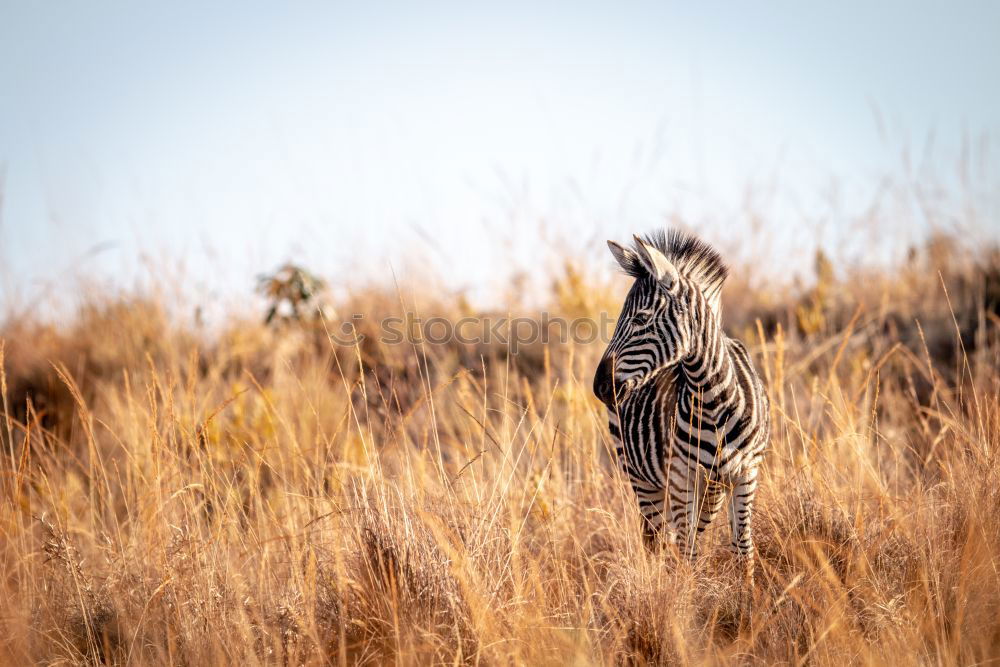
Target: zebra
688 415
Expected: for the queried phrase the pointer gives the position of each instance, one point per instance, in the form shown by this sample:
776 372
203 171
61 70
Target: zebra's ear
656 263
625 257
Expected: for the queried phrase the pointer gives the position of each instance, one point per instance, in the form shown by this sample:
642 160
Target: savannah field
255 493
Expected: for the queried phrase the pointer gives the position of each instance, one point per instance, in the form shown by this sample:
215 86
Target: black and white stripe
688 414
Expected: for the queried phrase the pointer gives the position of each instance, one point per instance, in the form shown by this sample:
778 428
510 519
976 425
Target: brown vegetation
260 495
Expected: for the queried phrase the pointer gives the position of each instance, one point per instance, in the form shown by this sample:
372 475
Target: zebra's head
678 282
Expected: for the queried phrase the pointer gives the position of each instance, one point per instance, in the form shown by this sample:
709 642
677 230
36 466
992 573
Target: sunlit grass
260 495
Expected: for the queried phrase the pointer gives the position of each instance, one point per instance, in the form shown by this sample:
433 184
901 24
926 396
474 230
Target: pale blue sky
352 136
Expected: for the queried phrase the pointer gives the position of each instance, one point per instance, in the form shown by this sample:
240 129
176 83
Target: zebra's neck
705 376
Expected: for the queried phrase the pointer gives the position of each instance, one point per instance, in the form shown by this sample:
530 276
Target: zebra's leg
713 496
650 501
684 487
740 516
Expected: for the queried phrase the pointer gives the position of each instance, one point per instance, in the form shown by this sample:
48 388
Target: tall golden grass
259 495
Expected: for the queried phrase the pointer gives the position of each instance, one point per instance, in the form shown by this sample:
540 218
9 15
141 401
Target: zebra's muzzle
605 387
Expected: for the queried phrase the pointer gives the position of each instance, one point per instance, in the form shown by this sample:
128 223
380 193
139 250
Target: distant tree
292 293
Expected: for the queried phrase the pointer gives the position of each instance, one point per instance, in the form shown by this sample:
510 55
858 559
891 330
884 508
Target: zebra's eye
641 318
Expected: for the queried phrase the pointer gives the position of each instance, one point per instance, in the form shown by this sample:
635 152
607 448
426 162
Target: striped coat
688 414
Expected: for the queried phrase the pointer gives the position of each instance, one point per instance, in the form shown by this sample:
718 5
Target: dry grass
262 496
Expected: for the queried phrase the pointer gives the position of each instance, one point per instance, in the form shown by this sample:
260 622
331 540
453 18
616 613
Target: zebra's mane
694 259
